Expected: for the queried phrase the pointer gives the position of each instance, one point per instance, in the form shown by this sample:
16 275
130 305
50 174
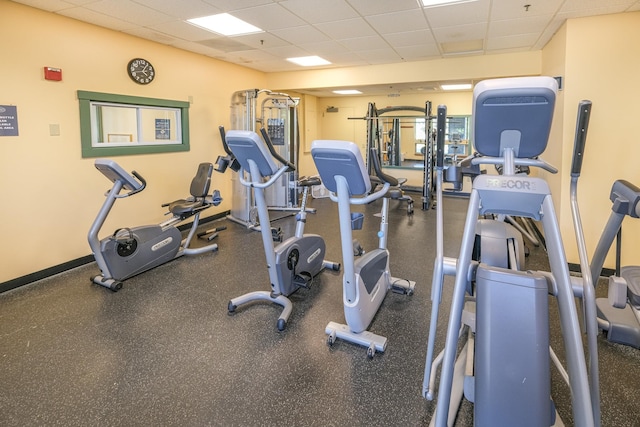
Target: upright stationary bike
293 263
131 251
367 279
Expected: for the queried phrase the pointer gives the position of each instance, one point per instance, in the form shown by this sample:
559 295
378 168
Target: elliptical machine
131 251
293 263
619 313
504 367
367 279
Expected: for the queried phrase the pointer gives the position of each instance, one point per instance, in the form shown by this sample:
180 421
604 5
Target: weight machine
278 113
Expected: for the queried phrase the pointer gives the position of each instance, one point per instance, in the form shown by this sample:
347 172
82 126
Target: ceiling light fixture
308 61
457 86
437 3
348 92
225 24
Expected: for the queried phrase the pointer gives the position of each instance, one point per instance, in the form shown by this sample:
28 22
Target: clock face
141 71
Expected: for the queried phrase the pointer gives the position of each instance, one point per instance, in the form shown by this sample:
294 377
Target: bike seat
198 201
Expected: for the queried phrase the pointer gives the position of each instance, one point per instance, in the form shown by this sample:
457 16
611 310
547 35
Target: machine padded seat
513 113
199 189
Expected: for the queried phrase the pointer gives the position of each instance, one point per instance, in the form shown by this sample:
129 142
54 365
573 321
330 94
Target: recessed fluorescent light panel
225 24
436 3
348 92
309 61
461 86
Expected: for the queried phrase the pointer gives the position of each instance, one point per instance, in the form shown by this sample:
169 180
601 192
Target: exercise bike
131 251
367 279
293 263
504 366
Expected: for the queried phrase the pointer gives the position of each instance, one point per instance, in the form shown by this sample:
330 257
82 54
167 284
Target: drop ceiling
347 33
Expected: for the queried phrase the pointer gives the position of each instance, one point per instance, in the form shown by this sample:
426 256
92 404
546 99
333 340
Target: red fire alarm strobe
51 73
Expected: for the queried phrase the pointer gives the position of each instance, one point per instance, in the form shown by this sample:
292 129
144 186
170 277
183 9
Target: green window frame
91 125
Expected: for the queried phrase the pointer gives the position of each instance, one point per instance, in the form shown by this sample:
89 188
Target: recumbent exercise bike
131 251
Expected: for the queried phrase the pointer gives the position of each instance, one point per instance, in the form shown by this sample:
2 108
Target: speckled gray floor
164 351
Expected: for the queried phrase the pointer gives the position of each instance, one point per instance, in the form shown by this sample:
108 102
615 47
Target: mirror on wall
402 138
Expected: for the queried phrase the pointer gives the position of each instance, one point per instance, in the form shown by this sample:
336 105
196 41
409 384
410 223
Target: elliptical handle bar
375 161
582 124
290 166
441 123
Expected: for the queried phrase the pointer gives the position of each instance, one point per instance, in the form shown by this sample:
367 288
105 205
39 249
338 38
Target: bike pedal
302 280
396 289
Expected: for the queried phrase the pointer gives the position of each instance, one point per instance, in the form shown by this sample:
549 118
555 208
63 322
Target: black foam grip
224 141
582 124
441 123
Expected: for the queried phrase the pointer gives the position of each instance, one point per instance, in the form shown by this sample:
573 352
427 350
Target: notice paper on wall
8 120
163 129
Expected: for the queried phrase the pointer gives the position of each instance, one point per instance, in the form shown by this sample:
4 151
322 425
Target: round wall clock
141 71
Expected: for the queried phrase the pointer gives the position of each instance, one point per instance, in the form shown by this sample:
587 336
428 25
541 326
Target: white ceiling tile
315 12
460 33
269 17
509 9
458 14
196 47
364 43
228 5
49 5
288 51
377 7
323 48
535 24
396 22
183 9
129 11
149 34
261 40
301 35
586 5
418 52
376 56
510 42
96 18
410 38
346 29
183 30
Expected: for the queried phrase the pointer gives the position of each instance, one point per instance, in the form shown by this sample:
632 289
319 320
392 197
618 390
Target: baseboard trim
78 262
605 272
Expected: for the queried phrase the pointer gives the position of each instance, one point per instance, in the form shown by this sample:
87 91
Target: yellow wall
50 194
600 57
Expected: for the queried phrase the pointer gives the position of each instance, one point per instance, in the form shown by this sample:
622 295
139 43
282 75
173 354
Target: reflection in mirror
403 139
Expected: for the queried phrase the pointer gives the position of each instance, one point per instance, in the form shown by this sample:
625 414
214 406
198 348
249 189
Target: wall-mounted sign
8 120
163 129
